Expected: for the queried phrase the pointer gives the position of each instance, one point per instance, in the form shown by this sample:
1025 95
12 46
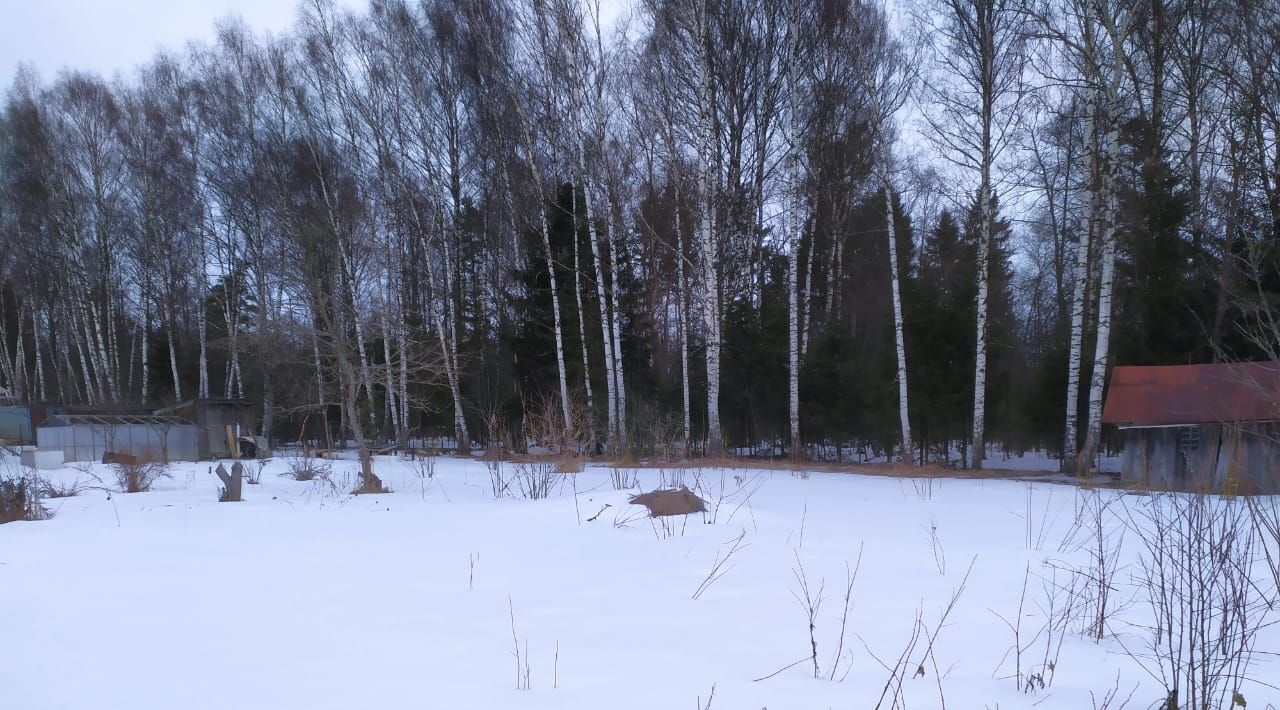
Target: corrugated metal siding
85 442
1193 394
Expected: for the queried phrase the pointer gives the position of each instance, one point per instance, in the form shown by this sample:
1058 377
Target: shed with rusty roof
1212 427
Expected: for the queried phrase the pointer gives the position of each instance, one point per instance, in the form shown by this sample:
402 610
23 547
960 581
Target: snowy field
440 596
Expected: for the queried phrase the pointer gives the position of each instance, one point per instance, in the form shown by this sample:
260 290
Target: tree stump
232 483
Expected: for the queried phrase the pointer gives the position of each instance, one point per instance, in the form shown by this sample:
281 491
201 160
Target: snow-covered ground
306 597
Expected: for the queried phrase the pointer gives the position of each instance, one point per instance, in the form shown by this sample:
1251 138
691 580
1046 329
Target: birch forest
816 229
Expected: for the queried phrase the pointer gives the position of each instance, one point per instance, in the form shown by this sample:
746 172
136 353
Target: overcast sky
108 36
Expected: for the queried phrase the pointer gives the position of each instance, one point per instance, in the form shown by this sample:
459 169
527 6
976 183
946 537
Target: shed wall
15 423
88 442
1236 458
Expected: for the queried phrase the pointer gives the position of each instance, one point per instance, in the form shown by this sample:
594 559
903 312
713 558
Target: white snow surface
304 596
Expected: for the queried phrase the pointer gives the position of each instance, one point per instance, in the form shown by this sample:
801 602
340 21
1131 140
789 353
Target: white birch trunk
1109 166
683 321
98 349
315 351
904 411
1080 281
41 392
6 362
559 330
707 244
606 328
1107 255
793 348
403 346
202 326
615 320
173 354
146 354
451 354
450 363
582 328
806 301
980 354
84 349
388 366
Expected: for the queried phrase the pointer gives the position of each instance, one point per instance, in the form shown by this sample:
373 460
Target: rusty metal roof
1193 394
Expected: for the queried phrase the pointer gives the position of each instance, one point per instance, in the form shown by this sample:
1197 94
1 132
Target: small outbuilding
1206 428
223 426
196 430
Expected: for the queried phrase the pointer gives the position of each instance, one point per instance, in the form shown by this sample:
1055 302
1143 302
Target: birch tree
975 91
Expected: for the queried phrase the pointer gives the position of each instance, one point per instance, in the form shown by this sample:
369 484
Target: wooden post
232 444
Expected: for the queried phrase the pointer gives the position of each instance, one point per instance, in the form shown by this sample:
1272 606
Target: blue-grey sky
109 36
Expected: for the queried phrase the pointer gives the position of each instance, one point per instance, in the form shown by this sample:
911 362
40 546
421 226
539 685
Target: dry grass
53 489
20 500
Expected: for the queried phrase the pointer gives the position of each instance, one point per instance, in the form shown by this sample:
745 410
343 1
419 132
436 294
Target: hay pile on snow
674 501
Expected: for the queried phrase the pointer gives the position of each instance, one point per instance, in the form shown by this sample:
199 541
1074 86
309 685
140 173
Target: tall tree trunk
202 325
577 293
559 329
1102 349
793 348
606 327
904 411
173 354
707 243
619 371
682 322
1080 282
41 393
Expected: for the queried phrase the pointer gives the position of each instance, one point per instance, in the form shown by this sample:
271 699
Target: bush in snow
54 489
138 476
306 468
20 499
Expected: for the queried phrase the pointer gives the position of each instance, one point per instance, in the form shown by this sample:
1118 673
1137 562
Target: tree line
812 229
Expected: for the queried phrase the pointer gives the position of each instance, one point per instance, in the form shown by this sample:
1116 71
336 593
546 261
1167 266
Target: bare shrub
1265 513
1198 555
524 675
307 468
1112 700
811 601
892 694
139 475
499 479
673 478
20 499
1035 672
624 478
717 493
668 526
536 479
253 471
424 469
720 566
1098 534
655 433
55 489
